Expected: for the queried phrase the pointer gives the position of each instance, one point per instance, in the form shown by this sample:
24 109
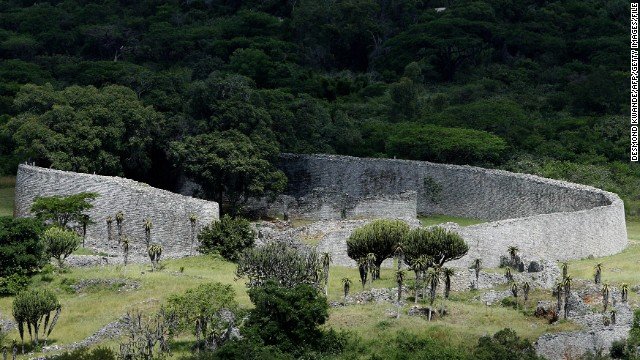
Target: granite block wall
546 218
168 212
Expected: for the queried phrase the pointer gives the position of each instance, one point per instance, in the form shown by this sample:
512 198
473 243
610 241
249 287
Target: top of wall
469 191
113 180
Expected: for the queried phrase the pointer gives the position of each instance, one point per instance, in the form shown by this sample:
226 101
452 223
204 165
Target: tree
448 273
34 308
108 131
438 244
281 264
64 210
399 255
380 238
60 243
597 275
209 310
228 237
154 251
288 317
230 166
21 248
624 292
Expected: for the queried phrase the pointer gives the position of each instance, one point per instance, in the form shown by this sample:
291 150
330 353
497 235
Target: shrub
505 345
288 318
209 309
21 250
281 264
60 243
228 237
13 284
101 353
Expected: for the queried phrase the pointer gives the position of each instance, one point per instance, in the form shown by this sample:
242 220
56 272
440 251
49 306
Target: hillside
536 86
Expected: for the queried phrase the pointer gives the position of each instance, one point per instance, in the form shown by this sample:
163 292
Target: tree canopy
437 244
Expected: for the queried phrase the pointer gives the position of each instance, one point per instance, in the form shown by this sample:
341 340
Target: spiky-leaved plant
565 270
419 266
597 273
363 269
125 249
399 255
193 220
567 293
514 291
399 282
605 296
109 228
624 292
448 273
513 253
371 265
154 251
326 262
148 225
526 287
119 220
346 286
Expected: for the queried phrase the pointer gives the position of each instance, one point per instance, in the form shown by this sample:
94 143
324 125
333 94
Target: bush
21 250
288 318
281 264
228 237
13 284
210 309
101 353
505 345
60 243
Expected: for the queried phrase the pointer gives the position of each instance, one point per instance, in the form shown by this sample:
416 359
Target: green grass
436 219
84 314
7 189
617 269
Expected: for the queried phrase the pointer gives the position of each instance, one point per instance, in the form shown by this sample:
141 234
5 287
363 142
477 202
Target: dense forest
151 89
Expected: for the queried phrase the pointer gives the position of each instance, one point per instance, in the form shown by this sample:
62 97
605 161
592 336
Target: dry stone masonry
545 218
169 213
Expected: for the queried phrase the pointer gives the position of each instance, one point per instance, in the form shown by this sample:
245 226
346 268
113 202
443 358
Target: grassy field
7 184
439 219
87 311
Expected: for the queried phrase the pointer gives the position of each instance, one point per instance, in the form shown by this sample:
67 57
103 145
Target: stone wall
168 212
544 218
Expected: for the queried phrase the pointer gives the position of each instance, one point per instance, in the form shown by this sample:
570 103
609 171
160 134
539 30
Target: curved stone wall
547 218
169 212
